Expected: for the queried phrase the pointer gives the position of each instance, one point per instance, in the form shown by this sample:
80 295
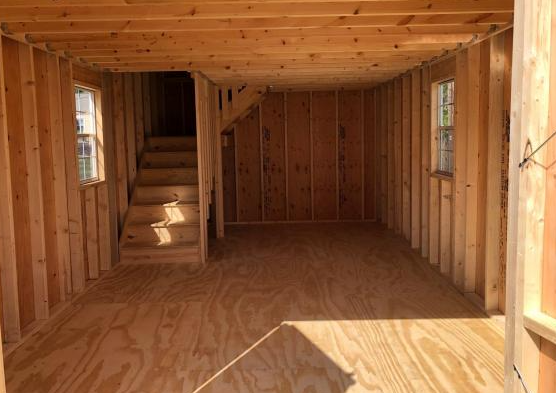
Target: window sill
95 183
442 176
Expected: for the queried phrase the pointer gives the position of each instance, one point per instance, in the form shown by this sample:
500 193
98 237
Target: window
446 127
86 134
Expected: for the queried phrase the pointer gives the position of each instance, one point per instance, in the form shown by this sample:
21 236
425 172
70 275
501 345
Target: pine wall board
458 222
317 154
249 168
50 236
371 156
273 145
350 154
324 112
299 153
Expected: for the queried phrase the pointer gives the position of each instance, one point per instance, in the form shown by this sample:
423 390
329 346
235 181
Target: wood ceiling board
44 10
270 23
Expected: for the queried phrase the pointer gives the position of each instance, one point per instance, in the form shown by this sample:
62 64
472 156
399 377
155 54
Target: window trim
435 128
101 176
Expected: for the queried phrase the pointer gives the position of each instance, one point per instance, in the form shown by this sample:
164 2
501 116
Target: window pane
446 150
446 113
85 124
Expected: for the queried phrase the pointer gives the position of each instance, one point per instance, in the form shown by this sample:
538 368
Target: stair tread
177 203
177 225
155 245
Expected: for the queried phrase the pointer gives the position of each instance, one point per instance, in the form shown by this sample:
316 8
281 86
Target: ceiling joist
284 43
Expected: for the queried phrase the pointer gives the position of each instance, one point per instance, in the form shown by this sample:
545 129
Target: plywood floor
298 308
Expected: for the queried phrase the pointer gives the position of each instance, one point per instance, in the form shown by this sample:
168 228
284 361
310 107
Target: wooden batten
130 130
120 156
74 205
415 166
495 135
425 159
459 184
398 159
471 167
406 157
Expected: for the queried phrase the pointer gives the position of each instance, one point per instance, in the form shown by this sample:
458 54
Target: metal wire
522 163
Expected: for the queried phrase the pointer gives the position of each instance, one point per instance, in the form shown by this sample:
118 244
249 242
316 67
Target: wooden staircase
162 224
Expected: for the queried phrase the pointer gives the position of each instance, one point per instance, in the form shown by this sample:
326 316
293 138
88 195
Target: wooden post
526 196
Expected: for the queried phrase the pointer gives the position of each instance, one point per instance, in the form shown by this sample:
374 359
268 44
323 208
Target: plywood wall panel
350 154
323 125
248 166
372 158
229 178
273 145
299 156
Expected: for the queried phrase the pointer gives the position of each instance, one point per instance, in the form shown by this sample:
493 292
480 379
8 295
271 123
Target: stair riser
171 144
171 215
161 255
162 236
168 176
170 160
166 194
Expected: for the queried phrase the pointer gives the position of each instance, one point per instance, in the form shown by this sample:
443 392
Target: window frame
437 128
97 97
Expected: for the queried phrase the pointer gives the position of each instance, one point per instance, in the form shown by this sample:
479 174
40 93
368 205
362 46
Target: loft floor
279 308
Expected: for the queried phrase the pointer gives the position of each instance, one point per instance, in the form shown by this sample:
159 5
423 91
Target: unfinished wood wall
303 156
531 321
458 222
54 233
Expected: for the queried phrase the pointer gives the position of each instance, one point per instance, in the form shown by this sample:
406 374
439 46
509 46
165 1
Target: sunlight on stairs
162 223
